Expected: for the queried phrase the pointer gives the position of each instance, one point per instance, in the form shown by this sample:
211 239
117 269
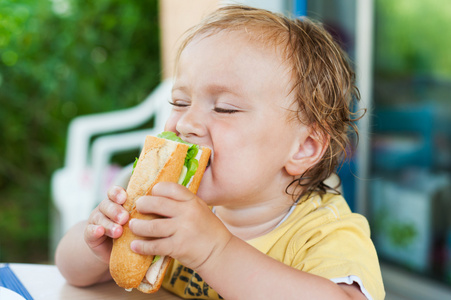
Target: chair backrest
79 186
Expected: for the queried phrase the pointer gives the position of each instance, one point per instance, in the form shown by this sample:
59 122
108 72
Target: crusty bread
160 161
193 187
203 162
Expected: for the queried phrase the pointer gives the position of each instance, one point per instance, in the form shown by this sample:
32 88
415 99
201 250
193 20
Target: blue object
403 137
348 182
300 8
10 281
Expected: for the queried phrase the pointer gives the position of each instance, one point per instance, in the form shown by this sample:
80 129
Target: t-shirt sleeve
340 249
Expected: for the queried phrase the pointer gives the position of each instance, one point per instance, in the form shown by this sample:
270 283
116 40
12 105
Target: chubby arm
254 275
83 254
192 234
76 262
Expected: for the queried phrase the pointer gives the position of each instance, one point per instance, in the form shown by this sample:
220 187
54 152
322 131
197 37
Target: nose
191 123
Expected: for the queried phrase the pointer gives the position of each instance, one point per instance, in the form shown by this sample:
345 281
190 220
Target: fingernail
121 198
134 246
115 230
96 230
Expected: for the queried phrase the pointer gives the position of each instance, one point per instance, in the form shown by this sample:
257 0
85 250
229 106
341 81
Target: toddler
272 98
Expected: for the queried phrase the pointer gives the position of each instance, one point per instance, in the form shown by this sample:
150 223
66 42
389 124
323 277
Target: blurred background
63 59
58 60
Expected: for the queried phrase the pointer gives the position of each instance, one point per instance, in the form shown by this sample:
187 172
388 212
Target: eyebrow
222 89
215 88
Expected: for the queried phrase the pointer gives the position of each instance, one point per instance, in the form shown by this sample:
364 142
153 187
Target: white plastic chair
80 185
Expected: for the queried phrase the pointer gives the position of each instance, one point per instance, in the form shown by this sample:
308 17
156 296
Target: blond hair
322 78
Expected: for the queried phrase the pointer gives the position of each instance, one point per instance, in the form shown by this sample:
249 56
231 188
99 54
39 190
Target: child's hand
190 232
105 223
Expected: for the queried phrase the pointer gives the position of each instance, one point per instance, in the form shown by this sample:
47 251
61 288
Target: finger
114 212
111 229
156 205
152 247
156 228
94 235
117 194
173 191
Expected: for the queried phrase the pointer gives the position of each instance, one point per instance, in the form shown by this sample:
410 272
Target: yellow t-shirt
320 236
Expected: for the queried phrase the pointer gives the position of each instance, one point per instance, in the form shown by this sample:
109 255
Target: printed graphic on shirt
192 284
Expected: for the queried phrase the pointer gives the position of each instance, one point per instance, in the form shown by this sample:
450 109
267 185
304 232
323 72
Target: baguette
161 160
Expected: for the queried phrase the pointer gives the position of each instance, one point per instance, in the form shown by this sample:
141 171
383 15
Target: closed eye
220 110
225 110
178 104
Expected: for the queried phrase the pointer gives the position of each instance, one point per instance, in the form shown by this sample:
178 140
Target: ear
308 151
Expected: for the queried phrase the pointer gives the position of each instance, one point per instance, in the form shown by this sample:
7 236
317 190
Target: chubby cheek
208 188
212 184
218 181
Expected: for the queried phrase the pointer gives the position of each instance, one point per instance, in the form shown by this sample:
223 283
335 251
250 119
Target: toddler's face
232 95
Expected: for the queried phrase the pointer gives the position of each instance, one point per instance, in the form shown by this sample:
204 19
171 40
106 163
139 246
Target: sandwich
165 158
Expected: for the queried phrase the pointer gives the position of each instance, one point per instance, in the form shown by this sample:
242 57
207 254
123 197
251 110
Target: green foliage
411 47
400 233
412 36
58 60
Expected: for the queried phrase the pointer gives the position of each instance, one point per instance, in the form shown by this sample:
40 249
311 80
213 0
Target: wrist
217 256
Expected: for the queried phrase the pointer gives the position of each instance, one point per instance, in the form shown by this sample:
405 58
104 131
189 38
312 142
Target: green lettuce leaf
155 259
134 164
191 163
169 135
